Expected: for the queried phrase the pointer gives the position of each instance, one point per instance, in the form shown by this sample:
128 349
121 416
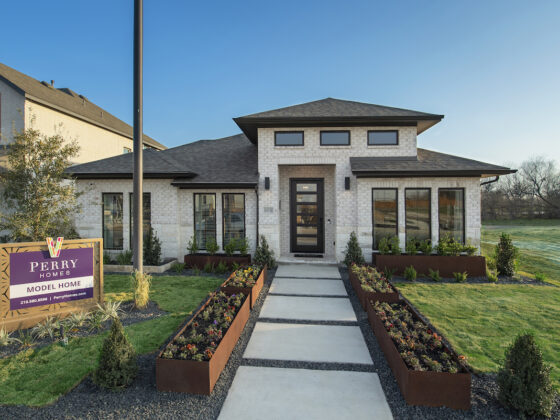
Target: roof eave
443 173
213 185
128 175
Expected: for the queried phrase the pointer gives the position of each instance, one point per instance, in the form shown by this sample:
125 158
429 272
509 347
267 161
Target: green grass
39 377
481 320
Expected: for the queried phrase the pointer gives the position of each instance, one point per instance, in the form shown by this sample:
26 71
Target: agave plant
110 310
27 338
76 320
6 338
47 328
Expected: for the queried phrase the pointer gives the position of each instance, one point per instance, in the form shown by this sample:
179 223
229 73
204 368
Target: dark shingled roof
230 161
69 102
334 112
428 163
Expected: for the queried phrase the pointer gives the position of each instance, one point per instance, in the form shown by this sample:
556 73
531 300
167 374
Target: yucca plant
6 338
48 328
26 338
110 310
76 320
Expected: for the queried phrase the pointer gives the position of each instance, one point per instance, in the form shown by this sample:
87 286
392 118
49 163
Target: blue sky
491 67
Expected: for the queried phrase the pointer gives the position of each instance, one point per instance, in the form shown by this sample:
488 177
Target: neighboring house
304 176
27 103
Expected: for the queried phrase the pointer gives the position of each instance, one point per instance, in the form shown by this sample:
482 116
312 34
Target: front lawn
481 320
39 377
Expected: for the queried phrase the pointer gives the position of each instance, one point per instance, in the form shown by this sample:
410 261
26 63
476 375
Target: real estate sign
43 279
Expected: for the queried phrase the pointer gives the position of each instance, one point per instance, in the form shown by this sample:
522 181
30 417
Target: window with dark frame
204 218
418 214
335 138
385 214
233 217
451 212
288 138
112 220
147 215
383 138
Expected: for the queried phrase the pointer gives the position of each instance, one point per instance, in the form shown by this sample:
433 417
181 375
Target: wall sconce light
347 183
267 183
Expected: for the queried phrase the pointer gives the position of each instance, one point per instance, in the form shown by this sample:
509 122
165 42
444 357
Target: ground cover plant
421 348
479 320
245 277
410 273
203 335
370 279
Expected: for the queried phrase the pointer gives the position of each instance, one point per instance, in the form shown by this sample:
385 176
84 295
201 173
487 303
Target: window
452 213
204 218
112 221
288 138
147 215
385 219
417 213
335 138
233 214
383 138
126 150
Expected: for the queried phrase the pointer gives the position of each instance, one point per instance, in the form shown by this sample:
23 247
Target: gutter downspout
257 195
491 181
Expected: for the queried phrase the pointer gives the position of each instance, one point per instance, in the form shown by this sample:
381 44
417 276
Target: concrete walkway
307 356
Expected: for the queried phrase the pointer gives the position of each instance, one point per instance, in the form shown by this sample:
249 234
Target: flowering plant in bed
245 276
206 329
370 279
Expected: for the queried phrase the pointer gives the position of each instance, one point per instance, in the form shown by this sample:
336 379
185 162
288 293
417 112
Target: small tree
524 381
40 200
353 253
192 245
264 255
152 248
506 255
117 361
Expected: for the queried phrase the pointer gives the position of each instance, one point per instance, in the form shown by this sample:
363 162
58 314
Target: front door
306 215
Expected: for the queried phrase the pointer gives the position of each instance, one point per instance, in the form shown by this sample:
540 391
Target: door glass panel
307 220
306 198
307 230
307 208
307 241
306 188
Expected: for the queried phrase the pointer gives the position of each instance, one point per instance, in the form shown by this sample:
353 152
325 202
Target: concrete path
307 355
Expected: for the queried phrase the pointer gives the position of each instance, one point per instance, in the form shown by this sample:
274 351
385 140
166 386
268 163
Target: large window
288 138
112 221
383 138
335 138
233 214
204 218
147 215
452 213
417 213
385 219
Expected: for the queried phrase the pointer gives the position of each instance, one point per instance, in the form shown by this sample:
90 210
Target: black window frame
383 131
464 211
335 131
215 216
373 215
289 132
224 220
130 198
103 220
429 211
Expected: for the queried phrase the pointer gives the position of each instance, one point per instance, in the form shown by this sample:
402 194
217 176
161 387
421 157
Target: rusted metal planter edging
433 389
474 265
200 260
200 377
364 297
252 292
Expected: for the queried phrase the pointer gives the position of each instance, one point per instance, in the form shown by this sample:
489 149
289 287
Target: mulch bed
475 280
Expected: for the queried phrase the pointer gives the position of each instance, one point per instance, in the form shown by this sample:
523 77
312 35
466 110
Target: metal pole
137 138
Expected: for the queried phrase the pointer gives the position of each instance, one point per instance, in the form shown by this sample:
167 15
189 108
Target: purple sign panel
36 279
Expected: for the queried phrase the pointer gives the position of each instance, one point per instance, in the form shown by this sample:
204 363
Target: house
27 103
303 176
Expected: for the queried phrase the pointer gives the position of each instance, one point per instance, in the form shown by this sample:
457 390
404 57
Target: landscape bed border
200 260
474 265
252 292
364 297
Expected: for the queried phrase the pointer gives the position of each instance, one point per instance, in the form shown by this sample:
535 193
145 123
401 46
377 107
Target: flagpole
137 138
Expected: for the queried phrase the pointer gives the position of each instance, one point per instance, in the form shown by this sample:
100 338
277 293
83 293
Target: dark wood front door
306 215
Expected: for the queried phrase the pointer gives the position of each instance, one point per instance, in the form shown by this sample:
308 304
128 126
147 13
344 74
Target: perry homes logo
54 250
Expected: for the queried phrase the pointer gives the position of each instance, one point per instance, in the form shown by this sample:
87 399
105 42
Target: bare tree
541 179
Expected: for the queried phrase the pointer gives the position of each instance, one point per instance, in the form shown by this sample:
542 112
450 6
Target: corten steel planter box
433 389
252 292
364 297
474 265
195 377
200 260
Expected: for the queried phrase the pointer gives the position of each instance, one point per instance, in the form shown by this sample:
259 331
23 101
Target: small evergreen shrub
242 245
434 275
389 273
425 247
411 246
460 277
264 255
152 248
107 258
383 247
490 262
125 258
353 253
117 361
410 273
395 245
470 249
192 245
448 246
540 277
212 246
141 283
221 268
229 248
208 267
506 256
178 267
524 381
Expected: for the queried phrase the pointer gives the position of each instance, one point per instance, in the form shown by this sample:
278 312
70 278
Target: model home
304 176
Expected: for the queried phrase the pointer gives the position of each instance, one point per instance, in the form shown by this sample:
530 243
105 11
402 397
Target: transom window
417 213
233 213
335 138
383 138
112 221
451 203
146 215
204 218
385 216
288 138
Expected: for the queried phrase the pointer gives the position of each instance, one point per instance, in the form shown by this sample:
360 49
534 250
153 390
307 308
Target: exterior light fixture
267 183
347 183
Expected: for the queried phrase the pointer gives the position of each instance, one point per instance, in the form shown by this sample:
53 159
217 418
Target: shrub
506 255
242 245
125 258
470 249
410 273
152 248
389 273
491 276
447 245
460 277
117 360
353 253
434 275
425 247
208 267
107 258
221 268
96 320
229 248
6 338
524 381
212 246
264 255
192 245
141 288
541 277
411 246
383 246
491 262
178 267
395 245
